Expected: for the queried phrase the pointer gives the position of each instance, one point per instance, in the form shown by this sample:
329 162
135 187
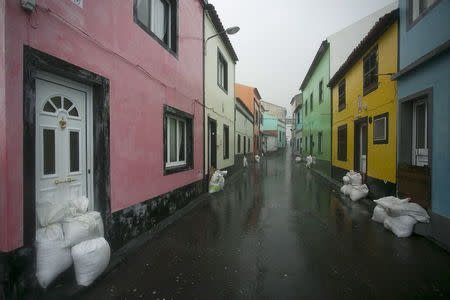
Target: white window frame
384 119
178 162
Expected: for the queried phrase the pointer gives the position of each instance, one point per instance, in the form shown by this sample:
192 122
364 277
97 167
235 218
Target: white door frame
89 127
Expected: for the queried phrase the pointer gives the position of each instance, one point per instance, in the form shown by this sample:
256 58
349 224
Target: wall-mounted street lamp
229 31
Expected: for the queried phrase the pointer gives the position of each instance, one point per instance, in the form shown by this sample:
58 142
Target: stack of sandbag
353 186
65 227
298 159
52 253
399 215
257 158
217 182
245 162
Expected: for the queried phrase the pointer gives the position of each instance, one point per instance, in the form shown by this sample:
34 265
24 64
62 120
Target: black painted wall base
377 188
131 222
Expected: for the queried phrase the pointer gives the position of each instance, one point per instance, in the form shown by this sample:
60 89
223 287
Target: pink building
103 99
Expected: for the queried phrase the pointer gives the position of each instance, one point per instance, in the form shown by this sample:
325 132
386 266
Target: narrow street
278 232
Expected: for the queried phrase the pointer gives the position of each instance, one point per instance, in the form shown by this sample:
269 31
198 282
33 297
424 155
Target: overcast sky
278 39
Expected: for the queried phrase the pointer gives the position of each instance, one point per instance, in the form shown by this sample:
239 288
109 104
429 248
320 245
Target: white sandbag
245 162
379 214
401 226
50 210
413 210
309 161
90 259
386 202
257 158
78 206
346 179
217 181
346 189
52 254
359 192
82 228
355 178
298 159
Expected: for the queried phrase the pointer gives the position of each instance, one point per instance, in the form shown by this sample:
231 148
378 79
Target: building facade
252 99
297 117
274 131
317 112
243 132
220 61
364 109
424 106
122 95
275 110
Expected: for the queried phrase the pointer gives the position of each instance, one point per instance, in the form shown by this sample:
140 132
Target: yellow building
364 109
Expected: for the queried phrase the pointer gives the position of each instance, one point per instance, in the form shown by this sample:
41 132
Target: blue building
274 133
423 139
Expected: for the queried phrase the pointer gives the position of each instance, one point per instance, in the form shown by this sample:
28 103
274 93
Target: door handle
68 180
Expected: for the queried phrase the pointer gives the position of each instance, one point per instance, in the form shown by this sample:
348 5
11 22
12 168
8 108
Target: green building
316 110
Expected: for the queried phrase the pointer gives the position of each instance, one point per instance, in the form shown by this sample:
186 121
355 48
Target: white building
220 62
243 132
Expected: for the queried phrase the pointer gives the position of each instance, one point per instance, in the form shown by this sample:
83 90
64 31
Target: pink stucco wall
136 100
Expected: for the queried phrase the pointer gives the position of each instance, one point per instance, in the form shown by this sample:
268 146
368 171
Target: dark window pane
48 107
49 151
181 132
420 126
143 12
74 151
57 102
67 104
73 112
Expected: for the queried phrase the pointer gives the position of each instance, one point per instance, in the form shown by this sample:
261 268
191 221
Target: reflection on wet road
278 232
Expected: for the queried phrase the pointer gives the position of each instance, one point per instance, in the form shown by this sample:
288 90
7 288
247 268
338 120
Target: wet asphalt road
279 232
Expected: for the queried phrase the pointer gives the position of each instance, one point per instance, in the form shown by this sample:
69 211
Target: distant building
220 61
275 110
423 153
274 132
243 131
364 109
252 99
297 118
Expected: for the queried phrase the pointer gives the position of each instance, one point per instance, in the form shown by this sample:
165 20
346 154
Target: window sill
381 142
176 169
223 89
341 108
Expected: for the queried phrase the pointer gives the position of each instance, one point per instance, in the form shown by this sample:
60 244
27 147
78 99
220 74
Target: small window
319 142
178 140
418 8
321 91
342 143
239 143
222 71
306 144
74 150
279 133
306 108
370 77
311 144
311 102
341 92
380 129
158 18
248 144
226 142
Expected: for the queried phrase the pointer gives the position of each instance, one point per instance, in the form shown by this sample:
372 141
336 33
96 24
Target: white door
420 141
363 148
62 146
